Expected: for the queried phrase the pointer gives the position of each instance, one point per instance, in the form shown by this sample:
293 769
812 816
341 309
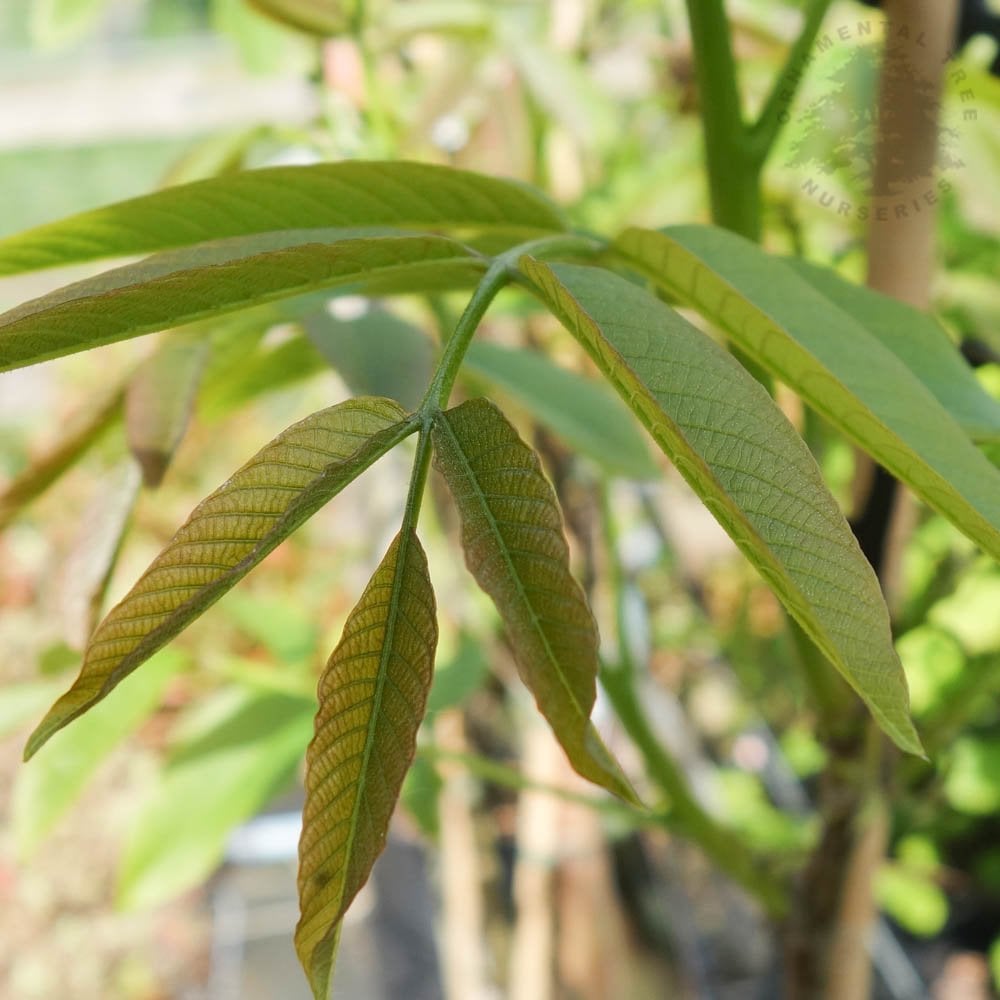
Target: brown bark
834 913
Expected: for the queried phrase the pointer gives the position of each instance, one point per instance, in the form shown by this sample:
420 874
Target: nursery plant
885 376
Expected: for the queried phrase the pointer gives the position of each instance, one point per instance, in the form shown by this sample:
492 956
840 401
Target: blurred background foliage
135 806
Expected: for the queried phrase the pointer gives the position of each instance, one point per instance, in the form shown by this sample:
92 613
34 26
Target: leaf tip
903 734
153 462
57 716
318 961
37 739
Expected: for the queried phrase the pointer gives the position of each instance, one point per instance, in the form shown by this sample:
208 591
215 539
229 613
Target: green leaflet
159 401
514 547
181 286
748 466
831 361
581 411
226 535
919 341
371 701
359 193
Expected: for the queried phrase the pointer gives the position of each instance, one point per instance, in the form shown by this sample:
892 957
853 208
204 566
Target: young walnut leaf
514 547
182 286
324 195
918 340
749 467
863 387
371 701
226 535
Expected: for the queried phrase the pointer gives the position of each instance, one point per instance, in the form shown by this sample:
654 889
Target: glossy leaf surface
226 535
355 193
749 467
838 368
371 701
514 547
181 286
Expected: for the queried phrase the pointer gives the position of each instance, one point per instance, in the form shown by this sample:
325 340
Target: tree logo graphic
835 137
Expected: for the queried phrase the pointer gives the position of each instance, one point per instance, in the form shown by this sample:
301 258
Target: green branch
764 132
501 272
733 174
735 152
686 815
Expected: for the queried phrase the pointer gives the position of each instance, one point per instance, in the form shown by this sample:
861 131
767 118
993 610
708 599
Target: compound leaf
186 285
226 535
749 467
325 195
514 547
843 372
371 701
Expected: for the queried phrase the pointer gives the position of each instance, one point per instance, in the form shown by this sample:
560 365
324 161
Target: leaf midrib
632 384
385 657
207 595
925 473
481 496
268 542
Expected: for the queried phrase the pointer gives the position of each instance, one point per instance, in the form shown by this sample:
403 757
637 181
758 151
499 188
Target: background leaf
582 412
264 370
55 23
179 287
838 368
919 341
55 779
749 467
85 430
371 702
90 562
226 535
514 547
214 782
376 354
159 400
324 18
321 196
